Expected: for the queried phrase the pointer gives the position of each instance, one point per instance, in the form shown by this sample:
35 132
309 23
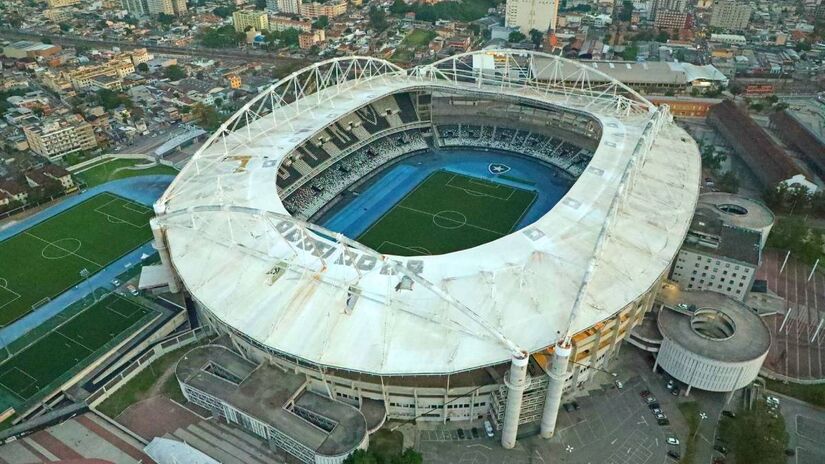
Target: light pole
702 416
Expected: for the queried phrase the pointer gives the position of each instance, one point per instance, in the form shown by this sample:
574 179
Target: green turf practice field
67 348
448 212
46 259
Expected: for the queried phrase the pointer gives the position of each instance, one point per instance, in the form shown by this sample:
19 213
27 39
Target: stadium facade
500 330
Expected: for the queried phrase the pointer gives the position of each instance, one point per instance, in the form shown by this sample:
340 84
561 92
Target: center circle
61 248
713 324
449 219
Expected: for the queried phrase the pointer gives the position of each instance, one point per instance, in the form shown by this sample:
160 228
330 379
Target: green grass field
105 172
46 259
448 212
67 348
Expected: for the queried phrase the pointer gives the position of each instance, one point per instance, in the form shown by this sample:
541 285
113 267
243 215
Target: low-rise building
28 49
57 137
282 23
308 39
717 257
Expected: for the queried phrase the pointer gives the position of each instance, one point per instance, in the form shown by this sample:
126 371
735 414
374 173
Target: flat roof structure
749 339
735 243
286 284
651 72
267 394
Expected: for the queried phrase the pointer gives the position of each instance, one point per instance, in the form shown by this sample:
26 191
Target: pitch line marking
466 224
475 193
112 216
4 284
70 252
11 390
74 341
416 249
112 309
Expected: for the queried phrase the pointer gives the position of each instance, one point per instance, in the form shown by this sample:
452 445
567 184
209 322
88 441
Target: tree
728 182
516 37
630 52
400 8
65 27
143 67
321 23
662 36
206 117
110 99
224 11
46 40
536 37
378 19
174 73
627 11
221 37
167 19
260 4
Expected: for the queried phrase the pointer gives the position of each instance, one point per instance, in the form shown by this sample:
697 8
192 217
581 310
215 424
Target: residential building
289 6
58 137
671 19
308 39
61 3
136 7
330 9
532 14
57 15
50 174
272 6
246 19
85 76
717 257
169 7
730 15
13 191
669 5
282 23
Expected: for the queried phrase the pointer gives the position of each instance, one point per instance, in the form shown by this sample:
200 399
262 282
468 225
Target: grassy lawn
48 258
387 443
70 346
105 172
418 38
139 386
448 212
756 436
690 410
814 394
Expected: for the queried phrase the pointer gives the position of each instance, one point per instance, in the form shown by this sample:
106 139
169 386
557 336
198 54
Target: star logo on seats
498 168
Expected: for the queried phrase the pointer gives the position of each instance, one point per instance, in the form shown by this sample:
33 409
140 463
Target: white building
730 15
532 14
289 6
717 256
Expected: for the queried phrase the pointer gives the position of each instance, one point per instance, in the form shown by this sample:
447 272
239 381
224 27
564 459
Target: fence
134 368
784 378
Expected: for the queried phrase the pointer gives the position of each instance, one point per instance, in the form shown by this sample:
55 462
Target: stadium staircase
406 109
302 166
226 444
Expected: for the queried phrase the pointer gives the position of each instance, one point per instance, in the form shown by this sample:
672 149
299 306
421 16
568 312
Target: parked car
721 448
660 416
772 401
675 455
568 407
653 406
488 427
474 432
132 290
657 411
670 384
645 393
730 414
675 392
663 421
672 441
115 283
650 399
575 405
461 433
619 385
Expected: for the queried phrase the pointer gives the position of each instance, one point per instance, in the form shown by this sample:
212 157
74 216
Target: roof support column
516 383
555 386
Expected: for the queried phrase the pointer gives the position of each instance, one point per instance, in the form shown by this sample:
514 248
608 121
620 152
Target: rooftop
652 72
748 340
735 243
265 392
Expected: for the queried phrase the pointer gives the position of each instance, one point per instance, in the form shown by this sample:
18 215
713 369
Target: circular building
712 342
740 211
583 193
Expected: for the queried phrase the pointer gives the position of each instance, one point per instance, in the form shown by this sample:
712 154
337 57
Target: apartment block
531 14
730 15
245 19
58 137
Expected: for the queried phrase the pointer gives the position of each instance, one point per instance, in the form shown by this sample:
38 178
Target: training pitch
47 259
69 347
448 212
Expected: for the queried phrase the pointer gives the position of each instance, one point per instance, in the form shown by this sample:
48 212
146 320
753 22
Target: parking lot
806 429
610 426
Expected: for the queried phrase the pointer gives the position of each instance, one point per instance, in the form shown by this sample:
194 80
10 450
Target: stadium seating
406 108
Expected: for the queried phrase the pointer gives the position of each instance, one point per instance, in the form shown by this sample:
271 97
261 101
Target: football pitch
47 259
448 212
67 348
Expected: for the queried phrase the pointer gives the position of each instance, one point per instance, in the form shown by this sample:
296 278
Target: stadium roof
280 282
652 72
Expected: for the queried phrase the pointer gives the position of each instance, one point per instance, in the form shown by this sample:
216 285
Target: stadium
464 239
